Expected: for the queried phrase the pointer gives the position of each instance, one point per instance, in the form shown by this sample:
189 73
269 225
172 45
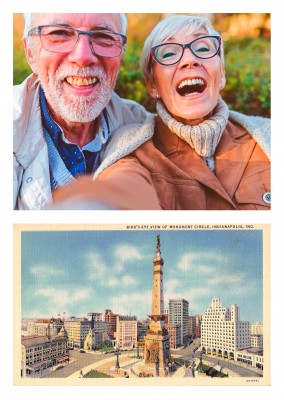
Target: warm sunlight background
247 55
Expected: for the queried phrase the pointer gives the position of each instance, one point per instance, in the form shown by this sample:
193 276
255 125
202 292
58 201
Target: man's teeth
81 81
191 82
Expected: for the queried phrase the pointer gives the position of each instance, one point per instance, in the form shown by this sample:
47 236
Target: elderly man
66 110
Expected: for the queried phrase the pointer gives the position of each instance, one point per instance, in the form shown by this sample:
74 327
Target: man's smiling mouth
191 86
78 81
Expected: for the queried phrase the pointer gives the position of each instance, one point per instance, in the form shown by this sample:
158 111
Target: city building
175 336
94 316
256 341
109 316
142 328
250 357
77 330
192 326
40 352
178 315
256 328
222 331
198 325
166 316
95 340
44 327
126 332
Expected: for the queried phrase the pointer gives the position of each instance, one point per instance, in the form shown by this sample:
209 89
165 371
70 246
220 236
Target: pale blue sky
77 272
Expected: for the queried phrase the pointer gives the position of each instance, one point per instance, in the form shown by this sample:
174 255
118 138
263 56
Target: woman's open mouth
189 87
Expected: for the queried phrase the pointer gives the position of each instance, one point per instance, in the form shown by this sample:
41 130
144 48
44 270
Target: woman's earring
157 96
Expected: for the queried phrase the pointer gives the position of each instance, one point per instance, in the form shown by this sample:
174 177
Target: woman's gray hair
168 27
29 18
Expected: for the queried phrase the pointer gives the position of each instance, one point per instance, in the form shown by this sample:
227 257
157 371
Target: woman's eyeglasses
171 53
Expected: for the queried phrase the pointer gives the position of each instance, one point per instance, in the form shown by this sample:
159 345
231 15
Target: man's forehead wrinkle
94 27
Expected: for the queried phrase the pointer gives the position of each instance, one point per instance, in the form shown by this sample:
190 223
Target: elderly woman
195 154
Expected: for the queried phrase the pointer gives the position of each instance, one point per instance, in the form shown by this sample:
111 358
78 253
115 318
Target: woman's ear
30 55
222 78
151 86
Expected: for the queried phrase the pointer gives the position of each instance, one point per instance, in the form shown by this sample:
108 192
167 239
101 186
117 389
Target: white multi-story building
178 315
251 358
222 332
126 332
256 328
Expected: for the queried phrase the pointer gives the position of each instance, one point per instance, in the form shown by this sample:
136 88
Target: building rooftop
28 341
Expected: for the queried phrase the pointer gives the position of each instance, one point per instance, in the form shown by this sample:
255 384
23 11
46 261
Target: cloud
45 271
112 282
110 273
116 281
98 269
226 279
206 269
138 304
128 280
200 261
126 252
61 298
171 286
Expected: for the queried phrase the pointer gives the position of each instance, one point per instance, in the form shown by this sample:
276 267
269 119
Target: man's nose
189 60
82 54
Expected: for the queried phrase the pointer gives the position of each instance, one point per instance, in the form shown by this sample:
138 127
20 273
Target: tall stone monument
157 341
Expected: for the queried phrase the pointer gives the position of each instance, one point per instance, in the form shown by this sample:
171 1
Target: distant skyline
76 272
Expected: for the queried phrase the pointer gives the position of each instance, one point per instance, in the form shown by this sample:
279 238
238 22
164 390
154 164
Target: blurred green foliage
247 63
21 67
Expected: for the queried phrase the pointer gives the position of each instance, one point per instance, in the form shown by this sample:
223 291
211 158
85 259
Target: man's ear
151 86
30 56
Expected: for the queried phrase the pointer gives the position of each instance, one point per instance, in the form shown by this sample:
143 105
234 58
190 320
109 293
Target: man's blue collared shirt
77 160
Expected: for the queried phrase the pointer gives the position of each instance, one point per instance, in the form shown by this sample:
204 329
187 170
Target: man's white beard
78 108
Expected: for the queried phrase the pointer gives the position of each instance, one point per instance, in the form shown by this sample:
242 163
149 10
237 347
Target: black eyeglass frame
37 31
186 46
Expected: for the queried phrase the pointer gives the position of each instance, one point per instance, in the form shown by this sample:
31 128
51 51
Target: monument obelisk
157 341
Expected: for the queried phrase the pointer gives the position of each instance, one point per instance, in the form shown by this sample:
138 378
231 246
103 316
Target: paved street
188 353
83 360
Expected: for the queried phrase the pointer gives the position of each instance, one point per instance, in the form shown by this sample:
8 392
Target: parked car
59 367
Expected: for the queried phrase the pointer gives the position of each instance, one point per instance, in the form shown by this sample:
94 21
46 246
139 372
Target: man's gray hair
168 27
29 18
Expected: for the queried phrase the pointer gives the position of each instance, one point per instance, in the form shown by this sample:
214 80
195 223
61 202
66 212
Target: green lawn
96 374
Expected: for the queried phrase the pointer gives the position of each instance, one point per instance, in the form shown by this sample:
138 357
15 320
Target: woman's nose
189 60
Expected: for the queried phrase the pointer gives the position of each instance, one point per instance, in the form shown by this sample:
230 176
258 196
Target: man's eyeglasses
62 39
171 53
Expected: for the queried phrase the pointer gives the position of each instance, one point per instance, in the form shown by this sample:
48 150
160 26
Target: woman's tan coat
182 180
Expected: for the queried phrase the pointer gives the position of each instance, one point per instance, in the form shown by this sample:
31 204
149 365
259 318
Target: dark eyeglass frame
37 31
186 46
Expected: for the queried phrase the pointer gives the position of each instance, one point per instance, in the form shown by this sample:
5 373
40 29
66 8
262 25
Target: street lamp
117 366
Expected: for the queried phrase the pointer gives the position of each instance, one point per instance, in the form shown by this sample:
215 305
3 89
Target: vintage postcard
125 305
